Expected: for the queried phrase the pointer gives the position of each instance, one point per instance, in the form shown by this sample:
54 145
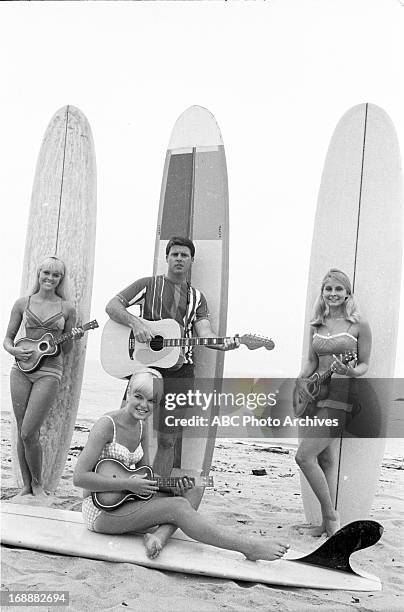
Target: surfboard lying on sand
63 532
358 229
62 222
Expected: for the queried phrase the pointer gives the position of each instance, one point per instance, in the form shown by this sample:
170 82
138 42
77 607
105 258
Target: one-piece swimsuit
51 365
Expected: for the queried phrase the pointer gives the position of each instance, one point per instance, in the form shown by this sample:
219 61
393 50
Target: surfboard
358 229
61 222
194 204
63 532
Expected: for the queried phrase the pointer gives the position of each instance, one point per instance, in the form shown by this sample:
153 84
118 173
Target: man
168 296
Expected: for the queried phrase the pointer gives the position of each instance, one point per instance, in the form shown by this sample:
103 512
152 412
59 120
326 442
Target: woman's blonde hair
148 382
321 308
54 264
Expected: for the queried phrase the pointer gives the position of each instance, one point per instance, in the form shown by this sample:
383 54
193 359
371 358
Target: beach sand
269 505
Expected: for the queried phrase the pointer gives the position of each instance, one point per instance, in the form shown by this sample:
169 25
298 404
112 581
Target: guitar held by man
121 352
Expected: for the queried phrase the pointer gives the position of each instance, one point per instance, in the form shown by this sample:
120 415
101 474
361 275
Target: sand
269 504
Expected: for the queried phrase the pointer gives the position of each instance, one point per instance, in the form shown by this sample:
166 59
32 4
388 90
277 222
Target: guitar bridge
131 345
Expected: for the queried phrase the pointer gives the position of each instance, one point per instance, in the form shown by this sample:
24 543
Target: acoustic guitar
317 386
47 345
112 468
121 353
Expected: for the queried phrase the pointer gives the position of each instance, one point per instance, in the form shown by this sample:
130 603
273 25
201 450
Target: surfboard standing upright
194 203
62 222
358 229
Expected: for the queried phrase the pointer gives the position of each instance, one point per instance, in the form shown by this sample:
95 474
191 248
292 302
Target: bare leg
179 512
155 542
20 388
307 459
43 394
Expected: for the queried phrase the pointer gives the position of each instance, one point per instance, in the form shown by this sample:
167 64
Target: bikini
112 450
52 365
339 395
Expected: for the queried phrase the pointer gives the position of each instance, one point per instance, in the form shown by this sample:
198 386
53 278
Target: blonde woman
122 434
336 328
32 394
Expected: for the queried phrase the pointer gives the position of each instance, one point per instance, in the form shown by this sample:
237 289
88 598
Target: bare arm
364 350
12 329
84 476
311 362
204 329
117 312
70 322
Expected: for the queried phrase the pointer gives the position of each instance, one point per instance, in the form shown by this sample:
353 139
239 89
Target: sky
277 76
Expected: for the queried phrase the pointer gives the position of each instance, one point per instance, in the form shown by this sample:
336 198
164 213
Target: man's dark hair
180 241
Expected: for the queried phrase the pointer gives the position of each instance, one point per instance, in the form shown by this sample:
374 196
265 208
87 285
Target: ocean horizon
101 393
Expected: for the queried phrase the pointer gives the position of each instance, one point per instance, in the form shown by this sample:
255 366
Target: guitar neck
196 341
323 377
63 338
170 481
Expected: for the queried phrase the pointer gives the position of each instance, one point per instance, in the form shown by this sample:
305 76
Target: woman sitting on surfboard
121 435
33 393
340 342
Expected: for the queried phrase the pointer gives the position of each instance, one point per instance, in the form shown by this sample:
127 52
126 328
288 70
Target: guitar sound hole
156 343
43 346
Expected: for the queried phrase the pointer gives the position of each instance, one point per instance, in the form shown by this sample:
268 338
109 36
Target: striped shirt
161 298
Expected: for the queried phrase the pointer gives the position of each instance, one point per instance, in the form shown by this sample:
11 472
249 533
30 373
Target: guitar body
121 354
43 347
62 222
315 388
112 468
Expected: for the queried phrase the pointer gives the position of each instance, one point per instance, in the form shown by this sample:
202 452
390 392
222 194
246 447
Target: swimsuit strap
113 423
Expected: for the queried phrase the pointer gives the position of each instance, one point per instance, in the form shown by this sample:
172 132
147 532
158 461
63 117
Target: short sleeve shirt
160 298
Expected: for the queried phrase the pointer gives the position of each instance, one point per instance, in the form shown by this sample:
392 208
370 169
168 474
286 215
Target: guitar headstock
254 341
91 325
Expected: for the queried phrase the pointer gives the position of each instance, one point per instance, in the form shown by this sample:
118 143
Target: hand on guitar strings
142 331
21 354
140 485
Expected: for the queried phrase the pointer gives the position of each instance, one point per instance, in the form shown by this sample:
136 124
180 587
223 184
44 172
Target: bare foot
152 545
38 490
315 530
332 525
259 548
26 490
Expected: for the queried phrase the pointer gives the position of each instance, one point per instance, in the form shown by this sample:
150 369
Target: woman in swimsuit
122 434
32 394
336 328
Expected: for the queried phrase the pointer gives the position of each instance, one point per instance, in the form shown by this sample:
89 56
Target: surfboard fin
335 552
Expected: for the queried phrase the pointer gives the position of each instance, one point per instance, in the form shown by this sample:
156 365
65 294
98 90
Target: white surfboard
63 532
62 222
194 203
358 229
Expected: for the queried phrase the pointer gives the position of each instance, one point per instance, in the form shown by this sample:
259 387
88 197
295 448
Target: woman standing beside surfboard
33 391
340 343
